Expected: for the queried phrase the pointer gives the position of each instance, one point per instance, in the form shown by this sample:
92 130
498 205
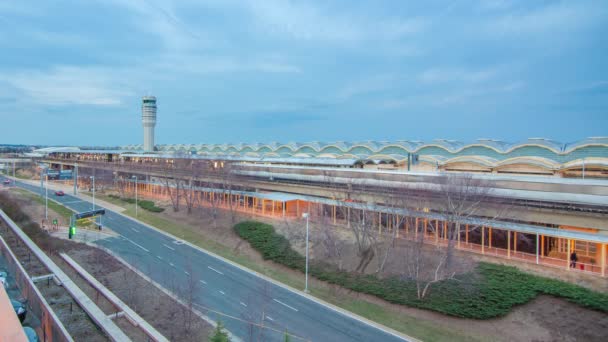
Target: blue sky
73 72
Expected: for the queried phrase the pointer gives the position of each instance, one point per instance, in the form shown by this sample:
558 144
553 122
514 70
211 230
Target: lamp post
305 215
46 197
135 177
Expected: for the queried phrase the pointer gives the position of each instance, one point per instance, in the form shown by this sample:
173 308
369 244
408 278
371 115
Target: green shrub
149 205
487 292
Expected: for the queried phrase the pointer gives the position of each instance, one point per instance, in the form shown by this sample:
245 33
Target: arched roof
591 141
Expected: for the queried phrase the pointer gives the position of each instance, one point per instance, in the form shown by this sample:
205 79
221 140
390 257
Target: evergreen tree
219 334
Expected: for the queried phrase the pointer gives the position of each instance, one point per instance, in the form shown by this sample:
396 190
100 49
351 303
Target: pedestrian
573 259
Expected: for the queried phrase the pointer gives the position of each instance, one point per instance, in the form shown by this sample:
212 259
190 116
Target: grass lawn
63 211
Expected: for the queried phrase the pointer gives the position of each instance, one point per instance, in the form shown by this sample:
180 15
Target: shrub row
490 291
144 204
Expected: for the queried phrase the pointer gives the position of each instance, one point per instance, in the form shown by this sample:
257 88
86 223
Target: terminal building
556 193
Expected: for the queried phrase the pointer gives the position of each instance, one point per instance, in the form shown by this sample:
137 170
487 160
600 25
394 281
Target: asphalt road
220 286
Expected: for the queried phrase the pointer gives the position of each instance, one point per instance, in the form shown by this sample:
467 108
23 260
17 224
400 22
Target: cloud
316 22
68 85
561 17
445 75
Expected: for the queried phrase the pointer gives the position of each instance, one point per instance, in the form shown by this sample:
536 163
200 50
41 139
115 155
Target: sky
226 71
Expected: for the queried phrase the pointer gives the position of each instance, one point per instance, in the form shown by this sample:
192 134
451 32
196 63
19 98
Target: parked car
20 309
59 193
30 333
6 182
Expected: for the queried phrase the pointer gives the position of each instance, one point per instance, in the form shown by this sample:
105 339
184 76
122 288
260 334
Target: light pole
93 181
135 195
305 215
46 197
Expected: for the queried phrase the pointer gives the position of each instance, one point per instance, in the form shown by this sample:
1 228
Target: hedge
144 204
487 292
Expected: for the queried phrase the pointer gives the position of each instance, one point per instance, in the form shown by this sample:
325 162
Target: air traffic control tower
148 118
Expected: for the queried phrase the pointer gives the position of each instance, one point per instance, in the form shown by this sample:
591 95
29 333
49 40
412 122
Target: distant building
148 118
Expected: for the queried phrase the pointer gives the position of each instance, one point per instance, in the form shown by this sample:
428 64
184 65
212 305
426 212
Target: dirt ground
168 316
543 319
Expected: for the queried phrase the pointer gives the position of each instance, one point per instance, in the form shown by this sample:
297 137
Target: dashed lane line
289 306
222 292
204 282
135 230
213 269
187 273
138 245
270 318
171 248
243 304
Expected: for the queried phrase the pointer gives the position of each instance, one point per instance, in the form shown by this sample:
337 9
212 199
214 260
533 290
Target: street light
305 215
46 197
135 177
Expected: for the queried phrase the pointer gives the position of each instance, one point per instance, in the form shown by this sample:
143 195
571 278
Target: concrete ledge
98 316
51 328
131 315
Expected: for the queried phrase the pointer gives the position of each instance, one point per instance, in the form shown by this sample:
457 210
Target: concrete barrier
51 329
98 316
131 315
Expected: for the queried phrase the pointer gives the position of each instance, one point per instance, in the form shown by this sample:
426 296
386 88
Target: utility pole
46 198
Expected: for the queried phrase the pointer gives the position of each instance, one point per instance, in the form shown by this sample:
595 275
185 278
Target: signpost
85 214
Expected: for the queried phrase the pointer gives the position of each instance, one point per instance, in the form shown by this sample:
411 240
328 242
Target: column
263 207
542 245
436 232
284 209
334 213
466 234
445 230
348 217
508 244
298 209
490 237
379 223
483 238
537 247
514 242
416 229
272 207
568 256
603 263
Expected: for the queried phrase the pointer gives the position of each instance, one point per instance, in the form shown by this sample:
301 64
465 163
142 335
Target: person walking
573 259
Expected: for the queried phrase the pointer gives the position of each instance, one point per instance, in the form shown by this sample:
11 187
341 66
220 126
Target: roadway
220 286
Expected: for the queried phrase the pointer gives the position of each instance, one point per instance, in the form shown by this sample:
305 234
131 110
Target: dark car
59 193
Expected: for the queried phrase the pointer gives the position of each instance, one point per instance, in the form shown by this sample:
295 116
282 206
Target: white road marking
187 273
243 304
270 318
171 248
138 245
222 292
135 230
159 257
171 264
291 307
213 269
204 282
72 202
